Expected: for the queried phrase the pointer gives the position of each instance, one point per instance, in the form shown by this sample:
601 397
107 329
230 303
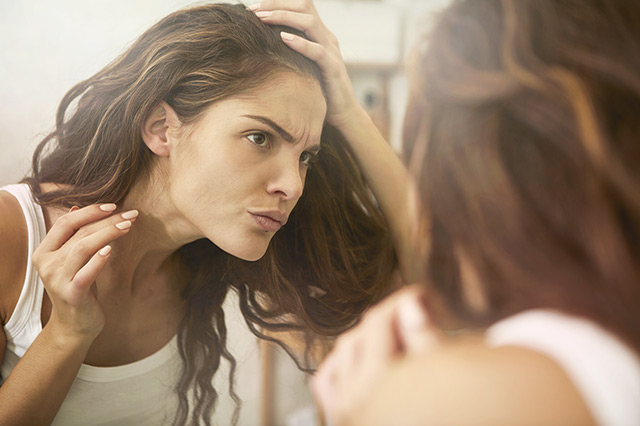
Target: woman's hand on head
396 328
320 45
69 260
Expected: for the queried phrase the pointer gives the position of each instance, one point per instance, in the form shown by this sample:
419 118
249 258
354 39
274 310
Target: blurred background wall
46 46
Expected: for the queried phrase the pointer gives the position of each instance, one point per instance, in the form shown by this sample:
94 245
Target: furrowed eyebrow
282 132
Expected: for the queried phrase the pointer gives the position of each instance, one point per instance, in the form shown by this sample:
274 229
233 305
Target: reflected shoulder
470 383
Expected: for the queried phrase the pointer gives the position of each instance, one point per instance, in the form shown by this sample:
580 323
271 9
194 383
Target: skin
397 368
109 271
225 161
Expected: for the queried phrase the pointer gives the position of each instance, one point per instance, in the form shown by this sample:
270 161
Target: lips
270 221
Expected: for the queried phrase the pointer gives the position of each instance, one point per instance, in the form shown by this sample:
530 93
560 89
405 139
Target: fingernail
286 36
108 207
411 314
254 6
264 14
73 209
105 251
124 225
130 214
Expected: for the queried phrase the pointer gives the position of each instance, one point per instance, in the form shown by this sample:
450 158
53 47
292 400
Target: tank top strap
25 322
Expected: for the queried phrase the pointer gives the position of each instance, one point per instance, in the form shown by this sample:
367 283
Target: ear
156 126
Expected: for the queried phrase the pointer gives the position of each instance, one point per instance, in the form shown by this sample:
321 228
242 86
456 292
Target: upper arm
479 386
13 256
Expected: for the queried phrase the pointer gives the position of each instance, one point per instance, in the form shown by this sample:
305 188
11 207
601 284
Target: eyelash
267 141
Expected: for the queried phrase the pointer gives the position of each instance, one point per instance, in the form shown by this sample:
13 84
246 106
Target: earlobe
155 128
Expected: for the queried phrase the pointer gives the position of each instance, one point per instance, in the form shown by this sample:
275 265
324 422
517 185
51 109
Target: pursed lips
271 220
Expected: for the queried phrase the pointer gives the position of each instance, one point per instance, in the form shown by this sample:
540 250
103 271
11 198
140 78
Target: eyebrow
282 132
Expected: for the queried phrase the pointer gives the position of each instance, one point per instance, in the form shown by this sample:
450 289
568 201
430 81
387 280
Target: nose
288 181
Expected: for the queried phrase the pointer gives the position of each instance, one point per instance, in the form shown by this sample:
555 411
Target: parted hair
321 271
524 137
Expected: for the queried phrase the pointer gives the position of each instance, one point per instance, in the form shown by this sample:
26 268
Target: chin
247 247
253 255
253 258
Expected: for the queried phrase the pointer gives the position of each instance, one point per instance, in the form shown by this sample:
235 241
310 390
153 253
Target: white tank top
140 393
603 369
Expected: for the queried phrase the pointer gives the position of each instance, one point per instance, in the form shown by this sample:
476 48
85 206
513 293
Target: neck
158 232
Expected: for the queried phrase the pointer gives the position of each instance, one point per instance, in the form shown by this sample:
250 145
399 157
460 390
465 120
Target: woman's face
238 172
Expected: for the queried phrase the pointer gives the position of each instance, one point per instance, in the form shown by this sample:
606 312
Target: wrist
358 128
66 338
350 112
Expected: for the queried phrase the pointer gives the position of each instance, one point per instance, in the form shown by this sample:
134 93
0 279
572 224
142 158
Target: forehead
295 103
281 83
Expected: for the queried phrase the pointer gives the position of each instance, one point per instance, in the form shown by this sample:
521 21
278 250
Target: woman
171 177
521 134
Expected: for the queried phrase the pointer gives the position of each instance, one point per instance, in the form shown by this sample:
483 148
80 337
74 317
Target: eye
307 158
259 139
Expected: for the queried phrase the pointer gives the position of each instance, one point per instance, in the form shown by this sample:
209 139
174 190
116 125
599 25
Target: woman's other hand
397 328
320 46
69 260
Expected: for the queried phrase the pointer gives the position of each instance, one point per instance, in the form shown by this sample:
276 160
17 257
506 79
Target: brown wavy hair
332 260
523 133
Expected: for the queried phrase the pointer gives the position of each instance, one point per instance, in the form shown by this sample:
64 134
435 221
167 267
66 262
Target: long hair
523 135
332 260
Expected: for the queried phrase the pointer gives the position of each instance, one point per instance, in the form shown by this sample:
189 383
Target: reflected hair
332 260
526 115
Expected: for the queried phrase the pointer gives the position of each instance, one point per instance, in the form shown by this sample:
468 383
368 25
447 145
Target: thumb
415 332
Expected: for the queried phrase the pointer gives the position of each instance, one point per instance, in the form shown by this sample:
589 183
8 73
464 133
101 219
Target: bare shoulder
464 384
13 253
